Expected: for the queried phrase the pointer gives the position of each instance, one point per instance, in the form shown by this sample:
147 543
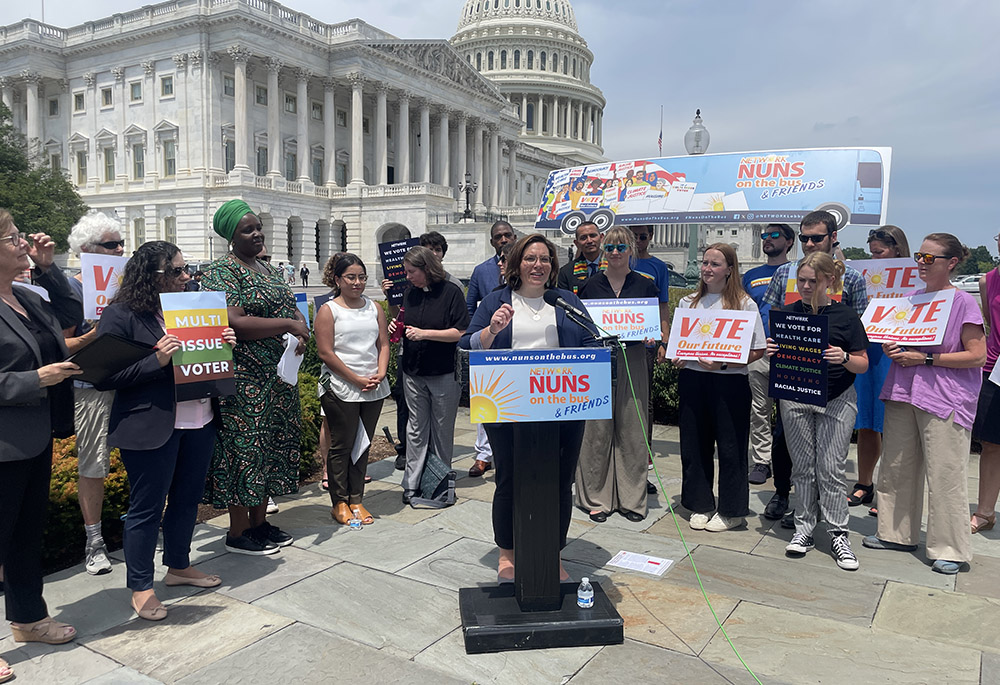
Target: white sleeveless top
355 334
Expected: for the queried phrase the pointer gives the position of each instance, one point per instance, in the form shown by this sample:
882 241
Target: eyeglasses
15 238
772 234
174 271
812 238
881 236
927 257
355 278
532 259
611 247
111 244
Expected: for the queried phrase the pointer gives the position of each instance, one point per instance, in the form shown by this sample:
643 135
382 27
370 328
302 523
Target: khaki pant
760 411
916 445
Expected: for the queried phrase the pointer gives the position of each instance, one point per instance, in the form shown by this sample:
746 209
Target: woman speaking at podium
518 317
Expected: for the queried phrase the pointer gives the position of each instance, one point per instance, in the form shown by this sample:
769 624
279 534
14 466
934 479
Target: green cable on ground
670 508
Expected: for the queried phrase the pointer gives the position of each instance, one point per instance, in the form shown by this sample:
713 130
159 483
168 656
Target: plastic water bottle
397 334
354 523
585 594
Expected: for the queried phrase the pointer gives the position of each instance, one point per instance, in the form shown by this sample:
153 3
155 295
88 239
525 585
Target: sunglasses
611 247
772 234
927 257
111 244
641 236
174 271
881 236
15 238
812 238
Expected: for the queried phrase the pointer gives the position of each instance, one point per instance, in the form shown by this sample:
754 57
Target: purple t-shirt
935 389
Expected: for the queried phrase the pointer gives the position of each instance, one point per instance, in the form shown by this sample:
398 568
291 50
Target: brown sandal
341 513
990 522
366 516
48 631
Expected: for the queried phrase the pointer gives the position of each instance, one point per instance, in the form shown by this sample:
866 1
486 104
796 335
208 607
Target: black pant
347 478
24 501
402 411
501 437
714 410
781 460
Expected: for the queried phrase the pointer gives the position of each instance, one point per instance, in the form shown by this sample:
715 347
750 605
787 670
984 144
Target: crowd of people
916 408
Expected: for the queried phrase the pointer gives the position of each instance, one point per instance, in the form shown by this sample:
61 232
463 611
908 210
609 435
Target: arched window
517 3
496 4
538 4
479 61
565 64
489 61
517 56
574 67
469 57
541 61
503 59
531 117
531 59
555 62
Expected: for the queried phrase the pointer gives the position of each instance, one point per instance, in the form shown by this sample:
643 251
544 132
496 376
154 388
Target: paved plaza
381 605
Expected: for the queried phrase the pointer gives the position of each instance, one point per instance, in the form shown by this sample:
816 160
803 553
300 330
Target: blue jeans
177 469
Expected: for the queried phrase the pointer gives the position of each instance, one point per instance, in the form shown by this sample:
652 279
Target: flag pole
659 141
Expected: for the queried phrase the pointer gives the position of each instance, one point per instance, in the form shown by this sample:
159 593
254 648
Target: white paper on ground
641 562
361 443
288 365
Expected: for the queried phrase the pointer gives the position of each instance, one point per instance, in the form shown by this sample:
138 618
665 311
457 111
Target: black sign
798 370
391 255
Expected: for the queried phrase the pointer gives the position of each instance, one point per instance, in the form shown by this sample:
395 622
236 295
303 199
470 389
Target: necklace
536 314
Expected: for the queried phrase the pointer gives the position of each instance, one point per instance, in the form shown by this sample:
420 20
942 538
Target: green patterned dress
257 453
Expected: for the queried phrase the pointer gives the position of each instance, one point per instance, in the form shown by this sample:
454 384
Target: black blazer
30 414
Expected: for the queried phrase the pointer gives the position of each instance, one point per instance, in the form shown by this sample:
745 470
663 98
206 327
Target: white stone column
357 130
444 153
424 160
538 116
512 174
524 114
494 168
579 121
600 127
33 124
477 161
462 143
329 132
403 140
7 91
302 107
119 148
566 119
381 141
274 107
586 124
240 56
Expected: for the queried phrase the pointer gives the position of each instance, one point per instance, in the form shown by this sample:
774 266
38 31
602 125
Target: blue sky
910 74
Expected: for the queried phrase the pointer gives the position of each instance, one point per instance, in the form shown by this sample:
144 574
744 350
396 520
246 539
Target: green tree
41 199
856 253
980 261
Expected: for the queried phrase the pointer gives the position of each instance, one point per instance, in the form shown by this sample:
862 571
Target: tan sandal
990 522
48 631
341 513
5 672
366 516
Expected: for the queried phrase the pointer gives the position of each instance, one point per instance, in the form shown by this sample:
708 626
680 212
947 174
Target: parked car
969 283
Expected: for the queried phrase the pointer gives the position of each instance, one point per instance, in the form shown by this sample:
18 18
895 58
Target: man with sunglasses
817 233
588 260
778 240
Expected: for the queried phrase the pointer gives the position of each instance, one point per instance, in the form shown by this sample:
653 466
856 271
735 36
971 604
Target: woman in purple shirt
987 427
930 403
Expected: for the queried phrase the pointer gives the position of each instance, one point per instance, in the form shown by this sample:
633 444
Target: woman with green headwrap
257 455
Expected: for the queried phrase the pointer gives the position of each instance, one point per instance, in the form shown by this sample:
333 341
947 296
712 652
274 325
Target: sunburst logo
491 399
716 202
875 280
899 318
704 330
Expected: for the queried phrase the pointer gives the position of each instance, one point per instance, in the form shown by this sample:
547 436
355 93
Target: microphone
553 298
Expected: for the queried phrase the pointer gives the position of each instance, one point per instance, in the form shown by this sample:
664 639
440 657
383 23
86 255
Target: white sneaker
272 508
698 521
842 552
97 560
721 523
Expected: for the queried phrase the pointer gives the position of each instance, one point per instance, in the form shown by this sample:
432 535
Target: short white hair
90 229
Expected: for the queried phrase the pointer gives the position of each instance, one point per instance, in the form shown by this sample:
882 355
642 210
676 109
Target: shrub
310 461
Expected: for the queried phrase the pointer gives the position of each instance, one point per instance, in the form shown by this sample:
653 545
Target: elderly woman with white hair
95 233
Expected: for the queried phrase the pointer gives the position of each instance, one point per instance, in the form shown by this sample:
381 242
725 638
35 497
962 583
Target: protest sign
888 277
565 384
912 320
102 274
629 318
302 304
798 371
203 367
391 255
719 334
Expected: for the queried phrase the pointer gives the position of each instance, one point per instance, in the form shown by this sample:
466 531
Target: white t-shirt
355 334
534 324
714 301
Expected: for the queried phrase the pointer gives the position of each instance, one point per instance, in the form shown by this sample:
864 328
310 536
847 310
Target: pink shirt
935 389
993 300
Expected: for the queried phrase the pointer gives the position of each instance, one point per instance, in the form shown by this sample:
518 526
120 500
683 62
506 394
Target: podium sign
516 386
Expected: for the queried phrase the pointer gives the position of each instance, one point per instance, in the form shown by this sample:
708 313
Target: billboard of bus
736 187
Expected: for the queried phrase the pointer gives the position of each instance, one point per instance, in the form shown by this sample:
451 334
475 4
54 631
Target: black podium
536 611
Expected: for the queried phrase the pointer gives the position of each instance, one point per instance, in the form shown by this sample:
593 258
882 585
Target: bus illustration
737 187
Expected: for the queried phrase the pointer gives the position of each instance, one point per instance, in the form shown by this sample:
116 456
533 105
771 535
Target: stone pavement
382 604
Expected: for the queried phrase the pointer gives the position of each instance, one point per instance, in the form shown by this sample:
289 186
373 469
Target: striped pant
818 439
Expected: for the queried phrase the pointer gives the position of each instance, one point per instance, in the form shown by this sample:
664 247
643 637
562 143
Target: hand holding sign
166 347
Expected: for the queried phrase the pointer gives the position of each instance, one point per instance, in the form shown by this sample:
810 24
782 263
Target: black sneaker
650 488
401 461
248 543
759 474
842 552
272 534
777 507
800 544
788 520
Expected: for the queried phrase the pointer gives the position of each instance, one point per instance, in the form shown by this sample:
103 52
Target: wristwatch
847 357
724 366
929 360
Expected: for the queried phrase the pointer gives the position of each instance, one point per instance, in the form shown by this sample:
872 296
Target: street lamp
696 143
469 187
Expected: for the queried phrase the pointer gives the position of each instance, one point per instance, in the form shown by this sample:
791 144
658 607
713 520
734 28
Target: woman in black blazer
166 445
36 402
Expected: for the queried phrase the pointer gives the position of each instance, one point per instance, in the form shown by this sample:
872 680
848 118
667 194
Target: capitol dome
531 51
